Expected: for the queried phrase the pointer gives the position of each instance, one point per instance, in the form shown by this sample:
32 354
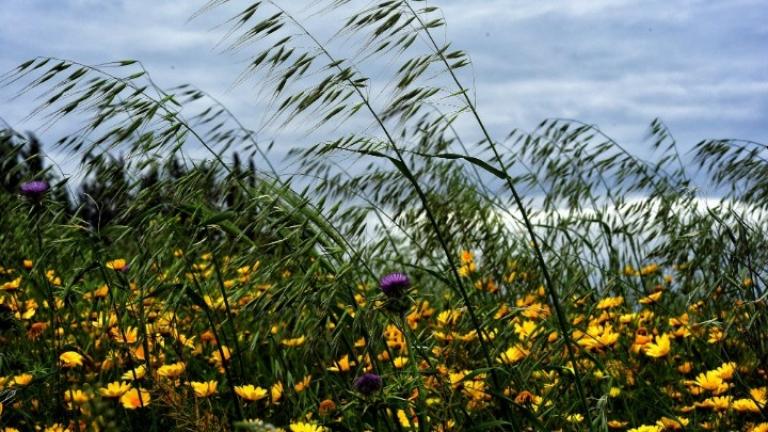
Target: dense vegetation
401 277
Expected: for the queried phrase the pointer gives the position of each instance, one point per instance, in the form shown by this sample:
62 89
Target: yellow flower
303 384
448 317
659 349
649 269
526 329
647 428
250 392
715 335
12 285
400 362
306 427
759 394
726 370
76 396
610 302
617 424
71 359
652 298
745 405
138 373
204 389
114 389
405 422
125 336
22 379
117 264
216 356
512 355
276 392
171 371
711 382
135 398
342 365
672 424
597 337
574 418
295 342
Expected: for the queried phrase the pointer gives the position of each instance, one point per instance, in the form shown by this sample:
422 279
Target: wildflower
342 365
34 189
610 302
651 298
117 265
114 389
716 403
276 392
726 370
11 285
395 338
250 392
525 398
368 384
326 408
647 428
526 329
76 396
597 337
659 349
711 382
306 427
294 342
448 317
204 389
394 284
128 335
135 398
672 424
135 373
512 355
303 384
405 422
171 371
400 362
71 359
22 379
475 390
746 405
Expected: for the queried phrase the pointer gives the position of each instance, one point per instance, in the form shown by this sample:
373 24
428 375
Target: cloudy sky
699 65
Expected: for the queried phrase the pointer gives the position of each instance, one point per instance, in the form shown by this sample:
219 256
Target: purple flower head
34 189
368 384
394 284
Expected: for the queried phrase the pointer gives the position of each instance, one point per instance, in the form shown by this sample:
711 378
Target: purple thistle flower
368 384
394 284
34 189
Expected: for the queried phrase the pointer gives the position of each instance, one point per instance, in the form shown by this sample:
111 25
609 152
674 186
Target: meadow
401 276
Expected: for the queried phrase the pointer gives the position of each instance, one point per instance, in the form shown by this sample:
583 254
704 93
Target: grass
555 280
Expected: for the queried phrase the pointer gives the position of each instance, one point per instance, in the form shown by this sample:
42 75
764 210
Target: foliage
557 281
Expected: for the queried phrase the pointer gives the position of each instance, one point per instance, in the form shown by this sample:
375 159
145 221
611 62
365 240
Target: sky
699 65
